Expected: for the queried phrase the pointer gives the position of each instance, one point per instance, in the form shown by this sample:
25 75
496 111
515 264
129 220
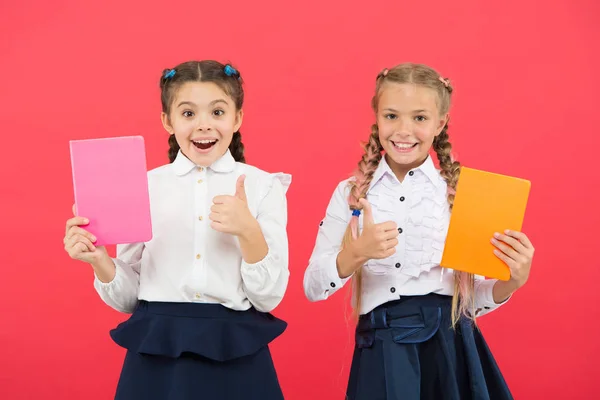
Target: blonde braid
450 169
463 300
358 190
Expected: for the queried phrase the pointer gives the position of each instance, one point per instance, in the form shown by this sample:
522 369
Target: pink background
526 83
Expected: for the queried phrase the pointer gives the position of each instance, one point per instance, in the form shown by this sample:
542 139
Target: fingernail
493 241
496 235
86 221
93 238
507 231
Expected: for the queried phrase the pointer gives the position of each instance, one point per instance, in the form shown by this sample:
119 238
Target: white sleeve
321 277
484 296
265 282
122 292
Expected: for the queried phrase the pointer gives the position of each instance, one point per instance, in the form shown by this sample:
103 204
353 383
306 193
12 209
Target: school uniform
202 321
405 345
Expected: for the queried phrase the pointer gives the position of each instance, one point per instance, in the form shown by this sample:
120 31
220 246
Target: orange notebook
485 203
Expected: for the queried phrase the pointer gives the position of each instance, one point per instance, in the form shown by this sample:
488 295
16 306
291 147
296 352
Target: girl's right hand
376 241
79 243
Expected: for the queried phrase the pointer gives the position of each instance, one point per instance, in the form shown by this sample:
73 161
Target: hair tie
169 74
230 71
383 73
444 81
355 213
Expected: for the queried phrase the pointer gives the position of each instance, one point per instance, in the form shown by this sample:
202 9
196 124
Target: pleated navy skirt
180 351
407 350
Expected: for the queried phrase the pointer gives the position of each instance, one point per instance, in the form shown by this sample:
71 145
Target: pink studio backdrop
526 104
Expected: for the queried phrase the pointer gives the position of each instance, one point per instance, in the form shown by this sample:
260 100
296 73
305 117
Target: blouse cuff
485 296
119 275
270 258
330 275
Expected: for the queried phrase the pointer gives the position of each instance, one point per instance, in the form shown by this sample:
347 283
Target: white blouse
188 261
419 207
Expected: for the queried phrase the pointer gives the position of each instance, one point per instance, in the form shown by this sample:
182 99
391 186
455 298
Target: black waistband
405 312
192 310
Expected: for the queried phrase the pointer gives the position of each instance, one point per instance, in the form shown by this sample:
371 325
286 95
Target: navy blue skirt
178 351
407 350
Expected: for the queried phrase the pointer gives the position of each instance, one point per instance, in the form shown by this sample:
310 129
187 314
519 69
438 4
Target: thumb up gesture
230 214
377 241
240 189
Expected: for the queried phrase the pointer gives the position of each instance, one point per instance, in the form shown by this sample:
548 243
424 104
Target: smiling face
408 119
411 104
202 104
203 119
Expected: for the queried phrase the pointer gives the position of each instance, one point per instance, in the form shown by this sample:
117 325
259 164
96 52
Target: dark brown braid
237 147
173 148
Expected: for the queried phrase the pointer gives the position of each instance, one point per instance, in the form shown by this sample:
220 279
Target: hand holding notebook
79 243
516 251
111 188
485 204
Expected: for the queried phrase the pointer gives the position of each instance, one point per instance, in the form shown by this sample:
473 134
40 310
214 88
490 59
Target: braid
173 148
463 300
366 168
450 169
358 190
236 147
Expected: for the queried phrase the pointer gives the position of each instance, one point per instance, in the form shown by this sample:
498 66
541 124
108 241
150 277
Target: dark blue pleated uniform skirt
180 351
407 350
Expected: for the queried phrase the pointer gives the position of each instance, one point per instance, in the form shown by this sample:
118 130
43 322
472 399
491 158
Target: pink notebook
110 184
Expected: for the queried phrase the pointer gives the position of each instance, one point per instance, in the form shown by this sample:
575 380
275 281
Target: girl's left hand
230 214
515 249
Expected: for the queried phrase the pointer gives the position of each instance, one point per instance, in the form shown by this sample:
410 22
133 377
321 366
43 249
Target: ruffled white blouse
419 206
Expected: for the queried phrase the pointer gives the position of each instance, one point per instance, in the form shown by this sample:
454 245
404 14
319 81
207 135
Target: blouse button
411 173
393 290
197 256
321 223
332 284
400 230
199 180
401 198
200 169
398 265
200 218
197 295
